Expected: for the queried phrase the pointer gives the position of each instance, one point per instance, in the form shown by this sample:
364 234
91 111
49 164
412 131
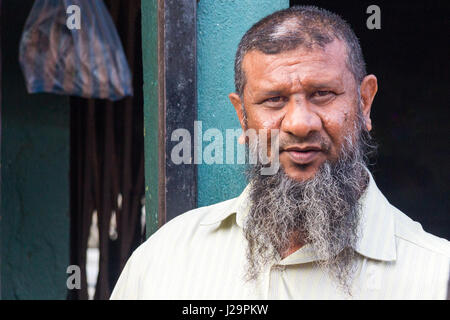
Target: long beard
323 212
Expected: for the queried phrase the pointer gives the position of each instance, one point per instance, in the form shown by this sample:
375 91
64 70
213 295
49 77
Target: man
318 228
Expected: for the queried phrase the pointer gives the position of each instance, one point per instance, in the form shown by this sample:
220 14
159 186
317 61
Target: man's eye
322 96
323 93
275 100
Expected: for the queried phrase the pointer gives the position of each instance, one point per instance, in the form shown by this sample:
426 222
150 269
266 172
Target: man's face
310 96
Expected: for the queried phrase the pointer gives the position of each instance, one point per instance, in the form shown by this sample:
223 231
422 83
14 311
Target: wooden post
170 102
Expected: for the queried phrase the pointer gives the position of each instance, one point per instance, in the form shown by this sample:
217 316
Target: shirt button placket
275 275
270 275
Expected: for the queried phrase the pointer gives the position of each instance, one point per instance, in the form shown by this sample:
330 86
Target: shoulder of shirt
187 223
411 231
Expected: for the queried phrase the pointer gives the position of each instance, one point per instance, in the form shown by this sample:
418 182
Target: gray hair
288 29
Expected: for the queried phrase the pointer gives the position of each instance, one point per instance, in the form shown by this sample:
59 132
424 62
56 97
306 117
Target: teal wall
35 177
220 26
149 11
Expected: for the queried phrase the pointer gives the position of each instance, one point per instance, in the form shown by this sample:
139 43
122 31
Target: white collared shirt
202 255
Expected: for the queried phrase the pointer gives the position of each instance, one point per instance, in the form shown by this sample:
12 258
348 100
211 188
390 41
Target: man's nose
300 120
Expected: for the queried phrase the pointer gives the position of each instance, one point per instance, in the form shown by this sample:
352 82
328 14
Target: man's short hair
305 26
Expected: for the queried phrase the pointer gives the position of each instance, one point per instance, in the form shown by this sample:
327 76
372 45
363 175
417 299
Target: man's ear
237 103
238 106
369 87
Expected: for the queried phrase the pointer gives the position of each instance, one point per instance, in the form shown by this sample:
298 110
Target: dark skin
311 97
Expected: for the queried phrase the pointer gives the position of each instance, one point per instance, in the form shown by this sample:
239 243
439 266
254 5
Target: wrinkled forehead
317 63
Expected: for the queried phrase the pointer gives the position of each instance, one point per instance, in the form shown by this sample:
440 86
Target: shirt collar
376 229
238 206
377 226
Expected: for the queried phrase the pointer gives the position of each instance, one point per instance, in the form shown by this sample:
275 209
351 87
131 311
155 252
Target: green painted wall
220 26
149 11
35 177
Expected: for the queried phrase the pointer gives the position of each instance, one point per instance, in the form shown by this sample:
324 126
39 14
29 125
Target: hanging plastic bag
87 62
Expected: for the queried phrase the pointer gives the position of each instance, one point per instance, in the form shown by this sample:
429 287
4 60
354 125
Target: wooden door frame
169 36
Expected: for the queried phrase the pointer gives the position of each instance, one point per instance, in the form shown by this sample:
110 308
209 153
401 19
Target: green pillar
220 26
35 177
149 9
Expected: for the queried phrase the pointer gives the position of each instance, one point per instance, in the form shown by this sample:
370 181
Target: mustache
313 138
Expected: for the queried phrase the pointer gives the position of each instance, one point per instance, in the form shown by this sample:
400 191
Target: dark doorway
409 56
107 170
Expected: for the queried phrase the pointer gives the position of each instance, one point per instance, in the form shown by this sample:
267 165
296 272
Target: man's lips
303 155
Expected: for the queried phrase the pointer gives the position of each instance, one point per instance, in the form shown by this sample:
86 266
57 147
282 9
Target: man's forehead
314 64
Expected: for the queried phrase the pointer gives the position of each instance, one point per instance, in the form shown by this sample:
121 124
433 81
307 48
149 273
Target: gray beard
323 212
